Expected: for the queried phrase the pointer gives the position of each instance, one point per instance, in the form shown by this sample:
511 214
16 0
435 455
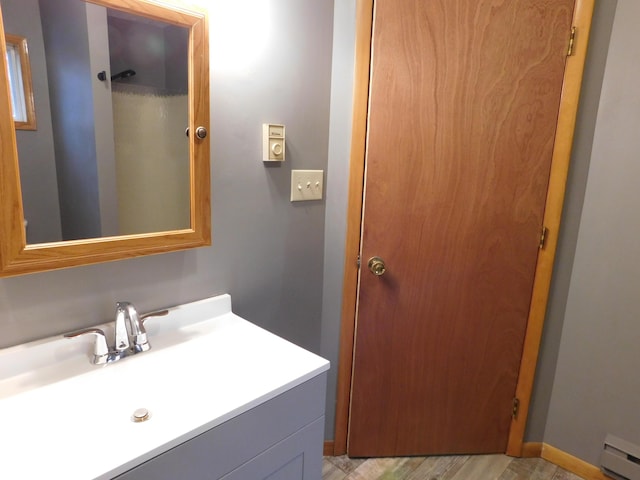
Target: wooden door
463 105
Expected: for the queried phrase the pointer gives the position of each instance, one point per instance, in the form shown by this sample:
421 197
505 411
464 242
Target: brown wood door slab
464 100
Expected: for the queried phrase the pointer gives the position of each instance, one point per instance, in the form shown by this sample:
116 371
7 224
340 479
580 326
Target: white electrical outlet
306 185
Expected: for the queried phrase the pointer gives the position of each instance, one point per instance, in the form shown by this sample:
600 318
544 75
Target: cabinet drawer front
224 448
298 457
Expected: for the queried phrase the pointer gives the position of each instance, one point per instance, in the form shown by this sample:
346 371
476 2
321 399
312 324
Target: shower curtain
152 160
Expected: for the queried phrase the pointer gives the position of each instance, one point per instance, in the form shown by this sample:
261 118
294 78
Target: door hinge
543 237
572 40
358 261
515 408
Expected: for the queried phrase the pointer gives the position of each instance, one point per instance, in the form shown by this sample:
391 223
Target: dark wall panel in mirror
66 43
35 147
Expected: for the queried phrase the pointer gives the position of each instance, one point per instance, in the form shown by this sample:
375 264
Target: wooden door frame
572 82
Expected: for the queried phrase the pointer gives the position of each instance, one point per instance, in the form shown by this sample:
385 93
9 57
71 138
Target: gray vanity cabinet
280 439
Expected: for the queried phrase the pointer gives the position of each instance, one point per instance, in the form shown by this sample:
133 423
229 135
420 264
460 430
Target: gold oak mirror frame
19 257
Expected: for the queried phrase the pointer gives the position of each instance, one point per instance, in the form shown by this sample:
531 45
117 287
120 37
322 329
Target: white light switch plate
306 185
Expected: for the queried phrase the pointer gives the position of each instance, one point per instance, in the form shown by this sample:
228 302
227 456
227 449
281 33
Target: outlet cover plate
306 185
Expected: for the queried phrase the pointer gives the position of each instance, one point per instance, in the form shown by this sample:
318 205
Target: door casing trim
572 82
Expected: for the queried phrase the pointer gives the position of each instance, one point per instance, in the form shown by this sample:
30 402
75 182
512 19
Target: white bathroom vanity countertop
61 417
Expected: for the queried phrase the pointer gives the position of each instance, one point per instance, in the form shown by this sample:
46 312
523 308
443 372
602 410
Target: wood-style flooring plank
529 469
345 463
330 471
396 468
442 468
455 467
562 474
483 466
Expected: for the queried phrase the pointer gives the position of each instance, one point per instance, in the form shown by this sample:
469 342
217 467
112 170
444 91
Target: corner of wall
337 192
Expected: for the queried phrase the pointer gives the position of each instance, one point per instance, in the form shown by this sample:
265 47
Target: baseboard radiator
620 459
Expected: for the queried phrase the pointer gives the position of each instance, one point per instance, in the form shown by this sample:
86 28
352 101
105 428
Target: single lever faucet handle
157 313
138 332
100 350
122 334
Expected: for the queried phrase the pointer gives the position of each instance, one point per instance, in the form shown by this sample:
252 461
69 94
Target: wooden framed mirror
108 173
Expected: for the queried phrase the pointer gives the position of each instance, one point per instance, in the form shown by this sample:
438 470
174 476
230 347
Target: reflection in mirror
24 115
109 157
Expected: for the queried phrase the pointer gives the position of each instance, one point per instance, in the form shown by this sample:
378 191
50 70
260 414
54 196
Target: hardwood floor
476 467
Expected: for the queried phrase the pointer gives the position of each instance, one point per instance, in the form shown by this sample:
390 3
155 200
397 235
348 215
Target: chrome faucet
130 335
134 337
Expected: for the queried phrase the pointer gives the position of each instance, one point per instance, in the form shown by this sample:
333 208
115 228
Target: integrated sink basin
62 417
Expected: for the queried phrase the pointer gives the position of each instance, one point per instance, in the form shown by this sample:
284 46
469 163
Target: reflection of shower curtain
152 161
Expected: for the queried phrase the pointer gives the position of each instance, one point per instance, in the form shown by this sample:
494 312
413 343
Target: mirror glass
109 156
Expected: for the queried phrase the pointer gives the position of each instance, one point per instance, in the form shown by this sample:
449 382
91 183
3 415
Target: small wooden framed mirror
20 84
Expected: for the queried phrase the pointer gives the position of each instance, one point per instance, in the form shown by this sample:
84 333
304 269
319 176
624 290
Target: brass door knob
377 266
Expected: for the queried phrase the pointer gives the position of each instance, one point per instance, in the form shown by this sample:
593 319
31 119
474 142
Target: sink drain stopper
140 415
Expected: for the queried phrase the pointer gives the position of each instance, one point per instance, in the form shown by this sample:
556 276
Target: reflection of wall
152 156
35 148
98 40
177 71
156 51
65 32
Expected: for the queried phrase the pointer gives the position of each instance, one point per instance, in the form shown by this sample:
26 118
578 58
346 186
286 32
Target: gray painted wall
596 389
337 188
35 147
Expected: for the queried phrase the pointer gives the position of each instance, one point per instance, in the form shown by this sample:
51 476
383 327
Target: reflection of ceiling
135 18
